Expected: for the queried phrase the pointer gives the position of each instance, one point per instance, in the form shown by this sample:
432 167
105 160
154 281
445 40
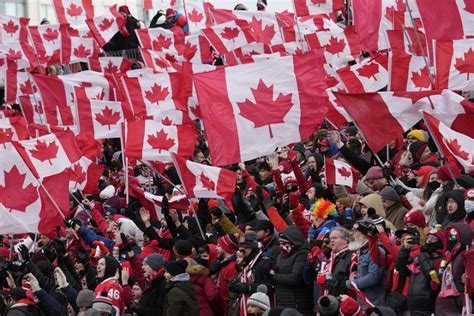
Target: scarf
246 276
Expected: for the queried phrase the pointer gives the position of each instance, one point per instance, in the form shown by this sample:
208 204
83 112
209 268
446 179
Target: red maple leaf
457 149
344 172
44 151
466 65
171 58
107 117
111 67
189 51
13 54
81 51
195 16
6 135
156 93
162 42
206 182
369 70
74 10
77 174
421 80
230 33
258 112
105 24
318 2
161 62
160 141
50 35
335 46
166 121
10 27
43 58
27 88
14 196
389 12
263 34
469 6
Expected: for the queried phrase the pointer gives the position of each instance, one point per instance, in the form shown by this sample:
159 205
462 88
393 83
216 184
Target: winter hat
444 174
111 267
417 148
323 209
241 7
468 205
85 298
389 193
415 217
149 249
183 248
103 304
228 244
155 261
176 267
324 142
328 305
349 306
425 173
408 230
352 131
107 193
260 300
18 293
263 224
250 240
124 9
374 172
416 133
299 147
170 12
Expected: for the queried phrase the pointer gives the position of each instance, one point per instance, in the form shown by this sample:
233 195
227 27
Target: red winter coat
207 293
227 273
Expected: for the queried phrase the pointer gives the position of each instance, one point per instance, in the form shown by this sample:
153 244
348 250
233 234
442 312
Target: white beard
357 244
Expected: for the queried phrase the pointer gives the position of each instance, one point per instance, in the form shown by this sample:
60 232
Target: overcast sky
273 5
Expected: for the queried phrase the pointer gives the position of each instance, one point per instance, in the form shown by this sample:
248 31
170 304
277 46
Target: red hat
170 12
323 142
415 217
226 243
441 236
425 172
124 9
349 307
150 248
444 173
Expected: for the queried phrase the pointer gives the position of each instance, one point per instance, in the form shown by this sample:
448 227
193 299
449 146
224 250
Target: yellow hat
416 133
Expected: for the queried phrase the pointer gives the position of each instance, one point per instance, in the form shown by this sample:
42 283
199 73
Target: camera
366 227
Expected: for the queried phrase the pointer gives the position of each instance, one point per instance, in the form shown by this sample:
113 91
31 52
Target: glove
236 286
387 173
35 287
61 279
24 252
215 267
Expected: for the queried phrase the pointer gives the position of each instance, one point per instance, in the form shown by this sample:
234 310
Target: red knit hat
415 217
150 248
170 12
445 175
226 243
350 307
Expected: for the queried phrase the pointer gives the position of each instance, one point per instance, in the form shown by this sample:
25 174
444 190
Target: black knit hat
263 224
176 267
183 248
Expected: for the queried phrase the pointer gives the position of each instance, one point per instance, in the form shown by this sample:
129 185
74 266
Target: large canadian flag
340 173
228 36
13 29
105 26
368 76
73 12
153 141
408 73
197 14
78 48
24 205
310 7
21 52
249 110
159 38
158 61
454 62
452 143
197 49
84 175
50 154
202 181
47 40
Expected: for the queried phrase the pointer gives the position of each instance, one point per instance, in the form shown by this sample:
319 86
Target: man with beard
367 276
424 284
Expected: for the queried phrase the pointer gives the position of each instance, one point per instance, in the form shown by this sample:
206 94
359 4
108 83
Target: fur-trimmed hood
197 270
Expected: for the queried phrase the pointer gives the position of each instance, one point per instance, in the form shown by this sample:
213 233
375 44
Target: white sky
273 5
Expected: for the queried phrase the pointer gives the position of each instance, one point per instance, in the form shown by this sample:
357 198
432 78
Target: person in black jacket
126 38
290 287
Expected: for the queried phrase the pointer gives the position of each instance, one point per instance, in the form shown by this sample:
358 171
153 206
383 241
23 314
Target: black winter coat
153 299
340 273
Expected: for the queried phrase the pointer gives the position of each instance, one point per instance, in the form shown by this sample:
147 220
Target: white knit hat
260 300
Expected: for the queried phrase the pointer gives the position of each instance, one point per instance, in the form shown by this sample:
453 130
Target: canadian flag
193 104
158 4
73 12
109 64
201 181
24 205
340 173
454 62
103 118
32 109
408 73
452 19
243 55
228 36
249 110
309 7
263 26
158 61
47 41
197 14
50 154
13 29
368 76
78 48
13 128
21 52
309 25
159 38
104 27
293 48
453 143
406 41
3 68
150 140
372 19
16 82
84 175
197 49
152 94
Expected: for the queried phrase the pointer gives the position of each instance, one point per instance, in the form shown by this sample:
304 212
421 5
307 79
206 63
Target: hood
465 232
293 234
458 196
111 267
319 161
197 270
186 286
375 201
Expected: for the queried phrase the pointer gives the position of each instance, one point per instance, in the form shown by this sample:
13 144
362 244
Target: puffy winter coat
207 293
180 299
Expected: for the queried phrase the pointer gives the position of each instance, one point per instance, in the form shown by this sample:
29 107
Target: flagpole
298 28
80 204
10 255
181 191
124 160
36 101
